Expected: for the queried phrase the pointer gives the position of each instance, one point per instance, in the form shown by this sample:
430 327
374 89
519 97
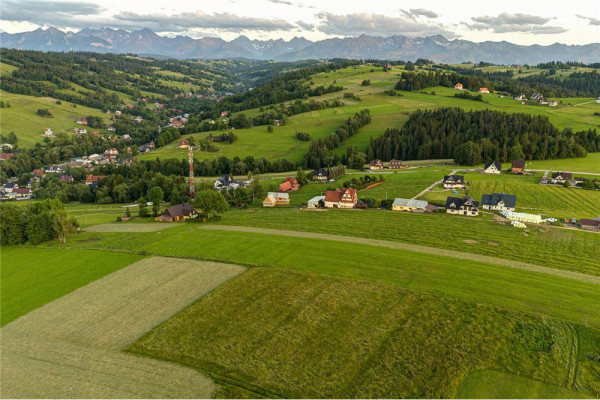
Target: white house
492 167
48 132
499 201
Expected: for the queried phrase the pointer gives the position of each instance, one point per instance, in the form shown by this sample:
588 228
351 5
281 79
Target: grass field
591 164
72 346
21 117
32 277
300 335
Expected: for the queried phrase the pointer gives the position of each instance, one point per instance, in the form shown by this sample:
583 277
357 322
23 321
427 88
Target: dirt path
71 348
432 186
416 248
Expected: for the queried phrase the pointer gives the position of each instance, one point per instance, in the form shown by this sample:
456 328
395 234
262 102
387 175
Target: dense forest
471 137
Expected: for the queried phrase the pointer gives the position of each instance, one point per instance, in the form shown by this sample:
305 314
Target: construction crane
191 161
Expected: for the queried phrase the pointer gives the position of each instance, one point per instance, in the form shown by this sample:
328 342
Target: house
458 86
317 202
590 224
146 147
499 201
395 164
66 178
536 96
520 97
543 101
39 172
126 137
518 167
465 206
598 100
80 131
5 156
138 118
49 133
376 165
92 180
276 199
111 152
225 182
184 144
289 185
82 121
492 167
7 146
10 186
454 182
561 177
224 113
483 90
22 193
409 205
341 198
177 213
277 122
118 112
111 128
321 175
553 103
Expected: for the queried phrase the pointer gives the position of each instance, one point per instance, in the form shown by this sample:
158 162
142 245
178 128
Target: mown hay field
300 335
130 227
31 277
72 346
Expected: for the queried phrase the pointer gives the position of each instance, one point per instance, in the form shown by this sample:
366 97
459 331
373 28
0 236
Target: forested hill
471 137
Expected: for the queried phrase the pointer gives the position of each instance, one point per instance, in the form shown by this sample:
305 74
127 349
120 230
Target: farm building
518 166
465 206
177 213
409 205
321 175
499 201
590 224
341 198
458 86
395 164
289 185
376 165
454 181
561 177
523 217
492 167
317 202
276 199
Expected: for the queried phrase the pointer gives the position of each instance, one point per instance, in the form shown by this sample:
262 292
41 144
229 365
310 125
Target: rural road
72 347
432 185
415 248
570 172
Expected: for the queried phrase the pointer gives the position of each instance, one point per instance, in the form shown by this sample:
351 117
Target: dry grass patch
78 338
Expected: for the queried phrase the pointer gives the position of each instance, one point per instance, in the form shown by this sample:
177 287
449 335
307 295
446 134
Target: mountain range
436 48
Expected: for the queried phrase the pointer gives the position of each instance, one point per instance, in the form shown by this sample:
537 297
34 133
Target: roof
409 203
279 195
518 164
395 161
458 202
489 163
321 172
458 84
316 199
285 186
590 222
510 200
21 191
564 175
455 178
335 196
179 210
483 88
376 162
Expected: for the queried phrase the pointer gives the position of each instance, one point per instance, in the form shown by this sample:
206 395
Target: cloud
416 12
288 3
507 22
47 12
593 21
305 25
377 24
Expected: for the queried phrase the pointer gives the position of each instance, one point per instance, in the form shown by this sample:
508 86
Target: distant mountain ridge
436 48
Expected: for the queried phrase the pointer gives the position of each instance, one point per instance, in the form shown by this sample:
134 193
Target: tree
127 213
64 225
301 176
270 128
142 207
155 195
210 201
12 224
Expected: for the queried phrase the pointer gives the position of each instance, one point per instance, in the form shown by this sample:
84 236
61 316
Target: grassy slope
300 335
468 280
32 277
21 117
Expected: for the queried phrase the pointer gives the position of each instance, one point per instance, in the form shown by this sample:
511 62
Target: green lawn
591 164
21 117
32 277
275 333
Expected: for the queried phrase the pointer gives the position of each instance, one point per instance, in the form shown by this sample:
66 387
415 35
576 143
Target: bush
366 82
44 112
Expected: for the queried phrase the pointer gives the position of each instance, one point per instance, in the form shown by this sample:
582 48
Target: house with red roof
484 90
289 185
458 86
82 121
341 198
184 144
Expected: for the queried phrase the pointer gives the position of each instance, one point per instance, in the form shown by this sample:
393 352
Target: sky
523 22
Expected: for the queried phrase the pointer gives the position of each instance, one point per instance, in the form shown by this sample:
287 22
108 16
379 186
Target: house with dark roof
177 213
341 198
454 182
395 164
9 187
499 201
590 224
225 182
462 206
561 177
321 175
517 167
375 165
492 167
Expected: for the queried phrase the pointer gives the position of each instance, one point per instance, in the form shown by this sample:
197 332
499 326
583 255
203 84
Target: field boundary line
415 248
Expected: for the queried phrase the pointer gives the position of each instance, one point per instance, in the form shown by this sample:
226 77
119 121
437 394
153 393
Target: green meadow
32 277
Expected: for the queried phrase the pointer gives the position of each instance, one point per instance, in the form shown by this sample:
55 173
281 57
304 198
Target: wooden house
376 165
517 167
177 213
499 201
341 198
184 144
462 206
276 199
321 175
395 164
492 167
454 182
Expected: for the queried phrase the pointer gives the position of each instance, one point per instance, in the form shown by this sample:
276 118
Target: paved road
571 172
432 185
416 248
